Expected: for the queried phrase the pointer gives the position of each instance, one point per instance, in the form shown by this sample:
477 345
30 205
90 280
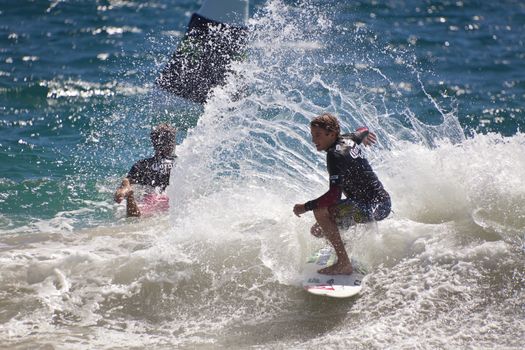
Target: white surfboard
336 286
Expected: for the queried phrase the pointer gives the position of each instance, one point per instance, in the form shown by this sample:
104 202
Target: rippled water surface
442 83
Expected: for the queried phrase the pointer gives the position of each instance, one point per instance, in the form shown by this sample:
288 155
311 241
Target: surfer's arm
326 200
333 195
125 191
364 136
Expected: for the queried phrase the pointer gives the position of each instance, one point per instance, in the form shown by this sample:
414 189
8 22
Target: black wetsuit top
154 171
350 173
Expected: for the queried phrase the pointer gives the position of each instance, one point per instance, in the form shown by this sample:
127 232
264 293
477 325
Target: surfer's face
165 147
322 138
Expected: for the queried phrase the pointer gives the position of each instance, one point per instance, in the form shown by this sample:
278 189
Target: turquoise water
76 73
441 82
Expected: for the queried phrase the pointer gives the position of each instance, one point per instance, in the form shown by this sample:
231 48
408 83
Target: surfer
351 174
153 172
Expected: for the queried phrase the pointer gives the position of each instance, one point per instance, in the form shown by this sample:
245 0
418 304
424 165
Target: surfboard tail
201 60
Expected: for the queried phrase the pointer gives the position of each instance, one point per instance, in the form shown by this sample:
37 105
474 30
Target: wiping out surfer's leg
327 223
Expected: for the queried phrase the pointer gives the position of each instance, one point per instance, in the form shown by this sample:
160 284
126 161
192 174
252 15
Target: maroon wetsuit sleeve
329 198
335 190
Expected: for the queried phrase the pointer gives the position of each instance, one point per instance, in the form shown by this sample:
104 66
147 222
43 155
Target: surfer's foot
337 269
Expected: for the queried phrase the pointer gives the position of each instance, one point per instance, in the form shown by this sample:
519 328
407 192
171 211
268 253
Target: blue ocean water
441 82
67 67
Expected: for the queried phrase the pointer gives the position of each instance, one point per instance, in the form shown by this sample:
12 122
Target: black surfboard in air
202 58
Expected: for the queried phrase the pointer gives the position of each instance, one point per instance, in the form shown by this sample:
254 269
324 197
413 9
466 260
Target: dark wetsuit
154 171
351 174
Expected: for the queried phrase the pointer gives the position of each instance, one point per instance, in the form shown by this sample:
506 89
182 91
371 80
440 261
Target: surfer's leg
327 223
349 212
342 220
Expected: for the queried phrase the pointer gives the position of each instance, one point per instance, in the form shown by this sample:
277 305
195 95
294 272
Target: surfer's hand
123 191
369 139
299 209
